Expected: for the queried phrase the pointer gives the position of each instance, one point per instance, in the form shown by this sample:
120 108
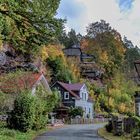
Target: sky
123 15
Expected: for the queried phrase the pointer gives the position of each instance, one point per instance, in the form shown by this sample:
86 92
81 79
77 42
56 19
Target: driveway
73 132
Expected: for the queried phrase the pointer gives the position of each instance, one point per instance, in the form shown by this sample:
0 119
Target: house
137 103
76 52
13 85
73 52
23 81
75 95
88 67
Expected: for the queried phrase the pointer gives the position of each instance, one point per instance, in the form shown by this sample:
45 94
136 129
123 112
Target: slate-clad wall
67 102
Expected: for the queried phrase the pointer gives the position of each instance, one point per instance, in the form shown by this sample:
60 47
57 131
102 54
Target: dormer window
66 95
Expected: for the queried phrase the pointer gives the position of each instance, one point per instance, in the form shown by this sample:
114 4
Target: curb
100 135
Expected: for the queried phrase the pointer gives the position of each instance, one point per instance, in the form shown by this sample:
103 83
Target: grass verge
109 136
11 134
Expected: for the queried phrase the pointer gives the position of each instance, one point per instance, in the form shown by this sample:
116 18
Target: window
82 95
89 110
66 95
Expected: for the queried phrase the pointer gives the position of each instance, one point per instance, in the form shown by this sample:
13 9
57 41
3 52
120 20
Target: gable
84 88
62 86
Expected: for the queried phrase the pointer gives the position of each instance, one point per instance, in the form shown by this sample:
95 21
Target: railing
87 121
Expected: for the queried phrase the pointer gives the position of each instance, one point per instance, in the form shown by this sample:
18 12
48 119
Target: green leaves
77 111
23 115
29 24
30 112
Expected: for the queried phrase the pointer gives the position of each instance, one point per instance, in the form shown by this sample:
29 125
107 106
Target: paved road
73 132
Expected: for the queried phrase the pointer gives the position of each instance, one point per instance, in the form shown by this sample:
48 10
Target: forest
35 32
34 35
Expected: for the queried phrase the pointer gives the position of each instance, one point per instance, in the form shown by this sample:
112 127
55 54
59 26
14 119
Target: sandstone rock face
11 61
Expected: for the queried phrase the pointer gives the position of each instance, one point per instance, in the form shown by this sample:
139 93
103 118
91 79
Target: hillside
35 47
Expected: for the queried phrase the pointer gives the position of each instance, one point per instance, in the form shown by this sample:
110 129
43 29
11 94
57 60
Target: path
73 132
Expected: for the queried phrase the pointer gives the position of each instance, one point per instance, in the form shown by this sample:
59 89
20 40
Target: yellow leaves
55 52
72 64
84 44
0 45
1 42
111 102
51 51
122 107
44 53
104 57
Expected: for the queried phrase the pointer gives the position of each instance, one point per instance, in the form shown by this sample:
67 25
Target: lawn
11 134
109 136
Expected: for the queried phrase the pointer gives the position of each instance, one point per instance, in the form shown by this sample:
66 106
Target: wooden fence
87 121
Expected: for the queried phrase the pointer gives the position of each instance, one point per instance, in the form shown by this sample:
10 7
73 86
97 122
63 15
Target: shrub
7 132
109 126
30 112
77 111
137 125
23 115
137 120
40 115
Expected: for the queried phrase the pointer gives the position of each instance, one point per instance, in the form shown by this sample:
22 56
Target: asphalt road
73 132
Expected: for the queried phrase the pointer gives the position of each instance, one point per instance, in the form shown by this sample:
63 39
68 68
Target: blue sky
125 4
123 15
70 9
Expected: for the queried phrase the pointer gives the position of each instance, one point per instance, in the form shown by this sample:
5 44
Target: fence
129 125
87 121
123 125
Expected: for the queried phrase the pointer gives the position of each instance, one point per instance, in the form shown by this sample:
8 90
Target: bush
23 115
109 126
30 112
137 120
40 115
136 130
7 132
77 111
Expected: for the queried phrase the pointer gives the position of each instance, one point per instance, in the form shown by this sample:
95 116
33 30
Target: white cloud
127 23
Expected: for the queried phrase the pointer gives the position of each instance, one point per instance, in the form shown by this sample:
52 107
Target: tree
127 43
97 28
71 38
61 68
131 55
27 25
106 45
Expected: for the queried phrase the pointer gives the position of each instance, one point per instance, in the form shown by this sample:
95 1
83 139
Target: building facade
75 95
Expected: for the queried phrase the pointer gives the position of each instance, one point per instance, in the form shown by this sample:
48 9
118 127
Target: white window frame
66 94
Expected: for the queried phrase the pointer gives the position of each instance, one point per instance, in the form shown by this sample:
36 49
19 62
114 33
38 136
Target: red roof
73 87
18 83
